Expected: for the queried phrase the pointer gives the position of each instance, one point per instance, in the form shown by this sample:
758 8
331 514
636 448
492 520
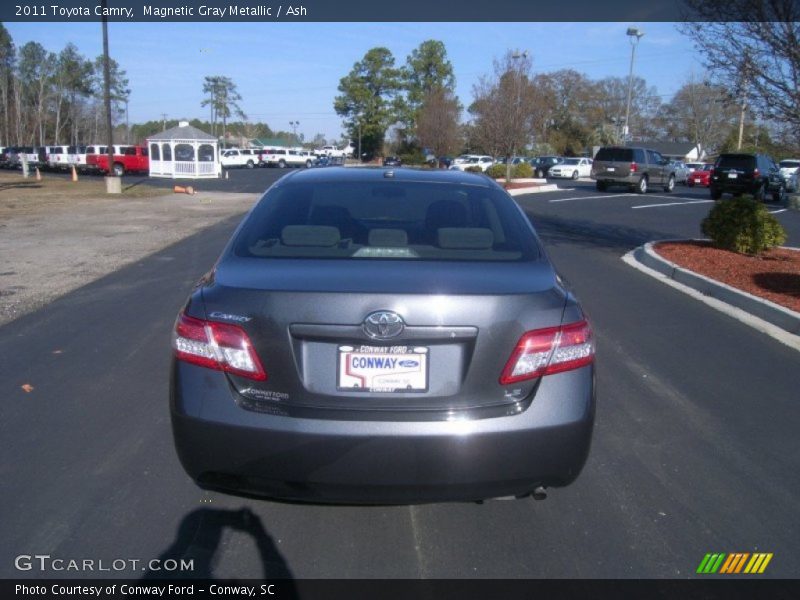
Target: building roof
272 142
184 131
665 148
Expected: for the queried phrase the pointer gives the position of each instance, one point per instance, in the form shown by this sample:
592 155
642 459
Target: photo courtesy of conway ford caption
383 335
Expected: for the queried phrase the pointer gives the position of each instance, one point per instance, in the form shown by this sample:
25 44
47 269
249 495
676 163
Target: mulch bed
774 275
514 186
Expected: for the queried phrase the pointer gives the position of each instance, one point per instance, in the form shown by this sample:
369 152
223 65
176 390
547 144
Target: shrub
474 169
743 225
522 170
415 157
496 171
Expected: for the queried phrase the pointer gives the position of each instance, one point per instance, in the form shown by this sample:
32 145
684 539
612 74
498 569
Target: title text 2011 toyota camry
379 336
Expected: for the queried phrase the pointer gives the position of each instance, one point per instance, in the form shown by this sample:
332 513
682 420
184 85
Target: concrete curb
550 187
763 314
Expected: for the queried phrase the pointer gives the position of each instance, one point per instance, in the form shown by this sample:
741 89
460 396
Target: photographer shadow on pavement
199 536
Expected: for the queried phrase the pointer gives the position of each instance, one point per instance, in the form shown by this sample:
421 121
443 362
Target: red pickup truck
129 159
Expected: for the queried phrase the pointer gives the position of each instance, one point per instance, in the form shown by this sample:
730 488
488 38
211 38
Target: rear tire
281 164
308 164
779 196
670 185
574 175
250 164
641 187
760 194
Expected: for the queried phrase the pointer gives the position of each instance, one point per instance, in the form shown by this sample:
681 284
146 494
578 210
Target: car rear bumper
223 446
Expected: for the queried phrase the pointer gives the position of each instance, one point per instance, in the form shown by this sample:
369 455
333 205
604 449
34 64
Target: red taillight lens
756 173
217 346
547 351
634 167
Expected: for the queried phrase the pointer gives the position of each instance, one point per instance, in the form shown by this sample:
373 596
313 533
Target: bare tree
764 34
437 121
504 107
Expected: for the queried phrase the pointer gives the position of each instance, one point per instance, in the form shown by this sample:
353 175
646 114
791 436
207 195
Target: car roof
367 174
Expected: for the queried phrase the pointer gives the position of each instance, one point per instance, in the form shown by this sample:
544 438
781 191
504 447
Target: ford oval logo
383 324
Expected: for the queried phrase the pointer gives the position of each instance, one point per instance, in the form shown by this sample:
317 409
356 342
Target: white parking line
590 197
672 204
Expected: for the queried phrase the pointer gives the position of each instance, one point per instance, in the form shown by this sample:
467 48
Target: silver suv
636 168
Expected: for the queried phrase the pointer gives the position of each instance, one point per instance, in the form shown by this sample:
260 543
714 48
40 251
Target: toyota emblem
383 324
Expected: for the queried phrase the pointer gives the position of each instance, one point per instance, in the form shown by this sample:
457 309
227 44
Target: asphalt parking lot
694 451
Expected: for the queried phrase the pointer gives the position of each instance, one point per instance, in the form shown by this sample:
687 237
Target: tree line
48 97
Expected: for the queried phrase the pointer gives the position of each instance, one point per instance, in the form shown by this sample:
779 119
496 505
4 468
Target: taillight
218 346
756 173
634 167
547 351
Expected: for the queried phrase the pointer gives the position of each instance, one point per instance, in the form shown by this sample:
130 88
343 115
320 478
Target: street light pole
293 125
634 35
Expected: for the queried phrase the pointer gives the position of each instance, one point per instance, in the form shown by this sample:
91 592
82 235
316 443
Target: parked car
76 156
375 339
694 166
701 176
239 157
130 159
635 168
287 157
542 165
571 168
483 162
740 173
57 157
392 161
681 172
790 169
321 161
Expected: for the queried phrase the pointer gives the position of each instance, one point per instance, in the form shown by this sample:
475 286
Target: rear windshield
789 164
615 154
736 161
387 220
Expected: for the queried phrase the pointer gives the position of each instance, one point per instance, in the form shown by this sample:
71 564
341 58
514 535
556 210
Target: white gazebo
184 151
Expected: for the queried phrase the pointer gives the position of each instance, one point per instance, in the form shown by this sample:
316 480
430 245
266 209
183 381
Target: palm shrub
743 225
522 170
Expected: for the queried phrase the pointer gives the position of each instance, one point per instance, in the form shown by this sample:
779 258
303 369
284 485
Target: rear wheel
281 164
760 194
780 195
670 185
574 174
641 187
308 164
601 186
250 164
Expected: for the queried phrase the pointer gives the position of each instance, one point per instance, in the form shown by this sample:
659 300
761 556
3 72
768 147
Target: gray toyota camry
383 336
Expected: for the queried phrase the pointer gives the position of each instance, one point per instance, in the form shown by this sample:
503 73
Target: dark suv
636 168
755 174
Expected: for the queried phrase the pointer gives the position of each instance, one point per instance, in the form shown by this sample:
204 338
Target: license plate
611 169
732 175
382 369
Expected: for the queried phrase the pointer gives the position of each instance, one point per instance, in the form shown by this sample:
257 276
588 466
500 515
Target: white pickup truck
287 157
334 151
237 157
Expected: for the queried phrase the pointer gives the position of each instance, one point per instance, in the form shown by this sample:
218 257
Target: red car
701 176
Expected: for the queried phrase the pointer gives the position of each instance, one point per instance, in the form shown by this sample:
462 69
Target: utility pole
113 184
163 121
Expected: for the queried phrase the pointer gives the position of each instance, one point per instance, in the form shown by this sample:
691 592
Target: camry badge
383 324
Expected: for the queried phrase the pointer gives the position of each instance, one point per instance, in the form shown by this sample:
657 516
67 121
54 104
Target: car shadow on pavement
198 539
555 231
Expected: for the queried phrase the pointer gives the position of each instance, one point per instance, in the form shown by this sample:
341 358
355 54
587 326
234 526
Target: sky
290 71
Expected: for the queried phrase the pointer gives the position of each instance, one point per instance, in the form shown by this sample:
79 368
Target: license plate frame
383 374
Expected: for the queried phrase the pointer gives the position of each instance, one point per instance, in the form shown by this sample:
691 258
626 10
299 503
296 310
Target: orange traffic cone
38 174
74 174
179 189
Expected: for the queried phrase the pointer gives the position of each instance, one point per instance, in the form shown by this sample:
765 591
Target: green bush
415 157
522 170
496 171
474 169
743 225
